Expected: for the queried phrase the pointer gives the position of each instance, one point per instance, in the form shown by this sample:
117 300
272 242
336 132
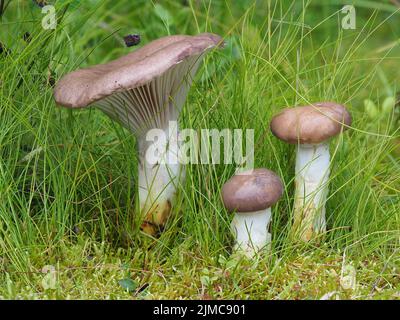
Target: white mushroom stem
311 182
251 231
159 176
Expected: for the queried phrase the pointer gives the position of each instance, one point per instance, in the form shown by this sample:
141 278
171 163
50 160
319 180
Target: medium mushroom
145 90
310 127
250 196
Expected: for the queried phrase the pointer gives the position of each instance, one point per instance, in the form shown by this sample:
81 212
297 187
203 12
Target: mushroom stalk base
251 231
159 176
311 184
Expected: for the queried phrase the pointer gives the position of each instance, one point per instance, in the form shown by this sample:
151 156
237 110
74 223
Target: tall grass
68 179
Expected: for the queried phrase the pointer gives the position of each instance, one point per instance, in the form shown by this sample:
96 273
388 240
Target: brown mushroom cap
310 124
83 87
252 191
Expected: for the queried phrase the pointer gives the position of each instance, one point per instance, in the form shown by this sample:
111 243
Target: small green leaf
128 284
370 109
205 280
222 260
205 271
388 105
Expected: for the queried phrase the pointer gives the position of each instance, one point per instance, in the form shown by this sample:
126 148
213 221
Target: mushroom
145 90
250 195
310 127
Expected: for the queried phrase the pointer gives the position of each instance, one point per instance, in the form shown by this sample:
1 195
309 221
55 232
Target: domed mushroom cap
252 191
310 124
83 87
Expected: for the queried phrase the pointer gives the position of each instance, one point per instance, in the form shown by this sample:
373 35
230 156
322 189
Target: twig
396 3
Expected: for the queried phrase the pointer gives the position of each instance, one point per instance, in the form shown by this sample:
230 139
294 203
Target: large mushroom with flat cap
250 196
145 91
310 128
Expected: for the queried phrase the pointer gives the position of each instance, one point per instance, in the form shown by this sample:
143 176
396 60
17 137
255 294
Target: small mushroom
144 90
250 196
310 127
